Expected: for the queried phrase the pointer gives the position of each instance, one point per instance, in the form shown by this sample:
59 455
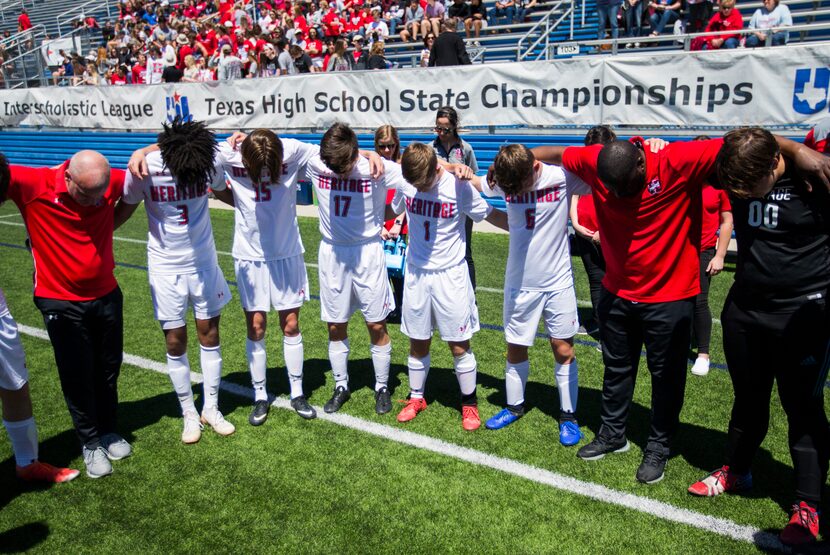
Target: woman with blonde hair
376 58
191 72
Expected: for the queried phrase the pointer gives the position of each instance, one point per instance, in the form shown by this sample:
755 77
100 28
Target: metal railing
11 8
545 26
78 12
27 67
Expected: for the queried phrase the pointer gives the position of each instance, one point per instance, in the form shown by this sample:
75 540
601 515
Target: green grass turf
316 487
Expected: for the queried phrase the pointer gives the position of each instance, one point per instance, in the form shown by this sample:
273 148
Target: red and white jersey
4 308
180 237
437 238
154 70
351 208
539 258
266 214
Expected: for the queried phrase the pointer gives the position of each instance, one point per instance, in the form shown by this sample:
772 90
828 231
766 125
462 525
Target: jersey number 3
183 216
530 218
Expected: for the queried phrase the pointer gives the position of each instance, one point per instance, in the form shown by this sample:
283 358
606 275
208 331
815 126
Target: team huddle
648 208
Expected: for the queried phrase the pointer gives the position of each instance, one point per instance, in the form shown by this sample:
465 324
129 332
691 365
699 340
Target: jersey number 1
530 218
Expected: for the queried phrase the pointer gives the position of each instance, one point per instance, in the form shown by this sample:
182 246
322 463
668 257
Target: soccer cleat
116 447
259 413
301 407
569 433
97 463
45 472
411 410
653 467
501 419
217 422
383 400
469 417
803 526
700 367
192 431
721 481
340 396
601 446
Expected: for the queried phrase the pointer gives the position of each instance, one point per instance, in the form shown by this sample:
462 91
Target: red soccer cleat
721 481
469 417
45 472
803 526
411 410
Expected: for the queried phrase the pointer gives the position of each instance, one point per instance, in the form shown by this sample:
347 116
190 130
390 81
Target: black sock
565 416
470 399
517 409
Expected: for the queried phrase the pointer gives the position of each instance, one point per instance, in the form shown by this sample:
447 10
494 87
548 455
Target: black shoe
601 446
383 401
393 317
341 395
653 467
301 407
259 414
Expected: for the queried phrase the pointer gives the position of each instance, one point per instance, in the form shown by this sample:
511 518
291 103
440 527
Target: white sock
339 359
567 382
292 349
178 368
465 372
255 351
381 360
418 372
212 374
515 380
23 436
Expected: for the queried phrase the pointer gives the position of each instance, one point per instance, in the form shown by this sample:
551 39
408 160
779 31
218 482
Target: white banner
764 86
51 49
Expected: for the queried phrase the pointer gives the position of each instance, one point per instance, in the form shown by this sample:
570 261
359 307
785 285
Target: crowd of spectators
199 40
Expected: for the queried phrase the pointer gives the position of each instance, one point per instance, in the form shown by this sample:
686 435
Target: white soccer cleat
218 422
701 367
192 431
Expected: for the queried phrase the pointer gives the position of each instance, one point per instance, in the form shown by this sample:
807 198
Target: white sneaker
192 431
701 367
218 422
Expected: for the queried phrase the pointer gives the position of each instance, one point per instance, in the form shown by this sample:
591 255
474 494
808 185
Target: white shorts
13 372
281 284
354 278
443 300
206 291
522 310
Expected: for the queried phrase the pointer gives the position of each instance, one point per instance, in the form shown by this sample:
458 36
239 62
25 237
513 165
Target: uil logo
177 107
810 90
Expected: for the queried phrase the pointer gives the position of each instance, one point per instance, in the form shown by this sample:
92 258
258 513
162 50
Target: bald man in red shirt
68 211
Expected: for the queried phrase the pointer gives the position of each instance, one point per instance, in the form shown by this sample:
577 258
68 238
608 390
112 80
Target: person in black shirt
776 325
302 61
449 48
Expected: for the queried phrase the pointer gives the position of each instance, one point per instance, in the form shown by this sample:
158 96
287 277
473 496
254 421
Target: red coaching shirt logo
654 186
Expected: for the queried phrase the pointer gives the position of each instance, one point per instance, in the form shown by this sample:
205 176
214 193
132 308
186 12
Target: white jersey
539 258
266 214
437 239
180 237
154 70
4 308
352 208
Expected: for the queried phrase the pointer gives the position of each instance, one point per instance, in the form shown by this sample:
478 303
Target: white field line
665 511
584 304
10 216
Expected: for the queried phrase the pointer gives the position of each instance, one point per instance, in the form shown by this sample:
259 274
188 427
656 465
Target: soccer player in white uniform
14 390
268 253
539 279
437 288
351 261
183 267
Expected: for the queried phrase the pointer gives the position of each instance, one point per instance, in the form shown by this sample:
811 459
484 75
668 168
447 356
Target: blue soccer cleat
504 418
569 433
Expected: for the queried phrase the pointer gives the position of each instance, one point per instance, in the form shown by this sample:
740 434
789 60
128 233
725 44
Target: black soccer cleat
601 446
341 395
383 401
259 414
301 407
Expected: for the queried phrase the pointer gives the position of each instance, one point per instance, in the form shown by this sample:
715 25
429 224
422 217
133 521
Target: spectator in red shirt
139 70
649 212
68 212
726 21
23 21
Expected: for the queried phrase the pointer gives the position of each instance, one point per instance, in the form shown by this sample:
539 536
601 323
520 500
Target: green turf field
316 486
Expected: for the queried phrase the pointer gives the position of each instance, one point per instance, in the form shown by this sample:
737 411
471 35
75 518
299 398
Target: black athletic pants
703 315
87 338
665 329
468 254
594 263
788 344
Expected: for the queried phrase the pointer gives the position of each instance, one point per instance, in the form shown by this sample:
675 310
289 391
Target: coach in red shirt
68 213
649 216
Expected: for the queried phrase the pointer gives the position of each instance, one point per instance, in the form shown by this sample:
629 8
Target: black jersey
783 242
